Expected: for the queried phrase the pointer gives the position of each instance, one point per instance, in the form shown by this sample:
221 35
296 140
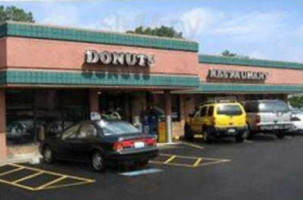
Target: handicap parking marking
141 172
39 173
187 161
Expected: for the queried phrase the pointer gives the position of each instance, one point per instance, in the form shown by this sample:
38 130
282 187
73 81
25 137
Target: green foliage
227 53
162 31
12 13
296 101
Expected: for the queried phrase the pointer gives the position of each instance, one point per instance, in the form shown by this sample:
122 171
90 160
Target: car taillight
150 141
119 146
258 119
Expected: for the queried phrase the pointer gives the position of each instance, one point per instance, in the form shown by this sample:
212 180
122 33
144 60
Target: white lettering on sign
114 58
239 75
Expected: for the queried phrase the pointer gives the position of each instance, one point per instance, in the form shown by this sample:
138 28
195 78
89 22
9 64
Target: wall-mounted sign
114 58
237 75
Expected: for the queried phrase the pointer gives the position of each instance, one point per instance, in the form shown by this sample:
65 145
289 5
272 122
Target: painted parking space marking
141 172
171 158
55 180
186 161
193 145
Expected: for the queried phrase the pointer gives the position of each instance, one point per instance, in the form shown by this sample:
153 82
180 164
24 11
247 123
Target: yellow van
217 119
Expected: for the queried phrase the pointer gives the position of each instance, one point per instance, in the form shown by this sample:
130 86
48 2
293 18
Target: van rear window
273 106
229 110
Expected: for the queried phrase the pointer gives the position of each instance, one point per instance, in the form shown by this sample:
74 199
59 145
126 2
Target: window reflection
32 115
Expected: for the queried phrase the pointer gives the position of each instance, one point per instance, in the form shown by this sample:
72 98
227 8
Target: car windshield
229 110
273 106
117 128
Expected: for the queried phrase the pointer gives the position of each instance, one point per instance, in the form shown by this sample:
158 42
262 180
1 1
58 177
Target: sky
264 29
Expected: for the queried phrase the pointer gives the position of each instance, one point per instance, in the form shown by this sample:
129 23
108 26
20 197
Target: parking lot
265 168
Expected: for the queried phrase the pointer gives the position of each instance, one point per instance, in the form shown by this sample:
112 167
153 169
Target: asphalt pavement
265 168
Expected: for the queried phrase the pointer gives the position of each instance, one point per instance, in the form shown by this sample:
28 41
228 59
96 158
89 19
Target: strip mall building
60 75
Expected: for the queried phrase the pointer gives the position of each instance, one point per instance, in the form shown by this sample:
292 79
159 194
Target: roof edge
250 62
43 31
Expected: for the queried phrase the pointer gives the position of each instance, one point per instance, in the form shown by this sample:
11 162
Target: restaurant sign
237 75
115 58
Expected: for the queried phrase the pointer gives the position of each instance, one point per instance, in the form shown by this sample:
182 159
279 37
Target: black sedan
102 143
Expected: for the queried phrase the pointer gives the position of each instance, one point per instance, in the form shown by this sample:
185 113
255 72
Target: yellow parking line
48 185
11 171
193 145
28 177
64 185
53 173
197 162
188 157
17 185
51 182
192 157
170 159
172 164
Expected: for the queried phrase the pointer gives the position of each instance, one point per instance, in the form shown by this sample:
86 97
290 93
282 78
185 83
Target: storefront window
175 103
20 117
33 114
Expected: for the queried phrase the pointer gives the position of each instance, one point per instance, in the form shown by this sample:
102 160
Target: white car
297 120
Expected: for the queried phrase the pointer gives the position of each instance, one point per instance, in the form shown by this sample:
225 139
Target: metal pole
168 116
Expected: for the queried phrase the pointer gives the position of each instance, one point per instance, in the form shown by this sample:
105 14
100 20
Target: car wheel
188 135
98 161
48 156
206 136
280 135
239 138
250 134
143 163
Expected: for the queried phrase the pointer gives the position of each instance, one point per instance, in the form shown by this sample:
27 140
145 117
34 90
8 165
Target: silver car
268 116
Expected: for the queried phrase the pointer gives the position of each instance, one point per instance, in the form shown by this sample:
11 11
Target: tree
229 54
12 13
296 101
162 31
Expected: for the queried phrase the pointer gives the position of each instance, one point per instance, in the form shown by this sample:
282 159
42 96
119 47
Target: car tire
250 134
280 135
188 134
143 163
48 156
98 161
239 138
206 136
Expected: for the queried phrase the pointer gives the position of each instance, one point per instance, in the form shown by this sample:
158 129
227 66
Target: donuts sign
119 58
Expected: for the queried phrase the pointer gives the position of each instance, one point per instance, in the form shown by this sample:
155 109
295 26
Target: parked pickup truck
268 116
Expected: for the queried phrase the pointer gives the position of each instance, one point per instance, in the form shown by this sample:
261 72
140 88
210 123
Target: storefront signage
237 75
114 58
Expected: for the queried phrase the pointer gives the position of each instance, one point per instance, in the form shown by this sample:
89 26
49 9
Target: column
3 148
285 97
167 96
94 100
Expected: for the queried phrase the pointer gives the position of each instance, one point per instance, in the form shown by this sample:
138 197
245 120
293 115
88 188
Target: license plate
276 127
138 145
231 130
